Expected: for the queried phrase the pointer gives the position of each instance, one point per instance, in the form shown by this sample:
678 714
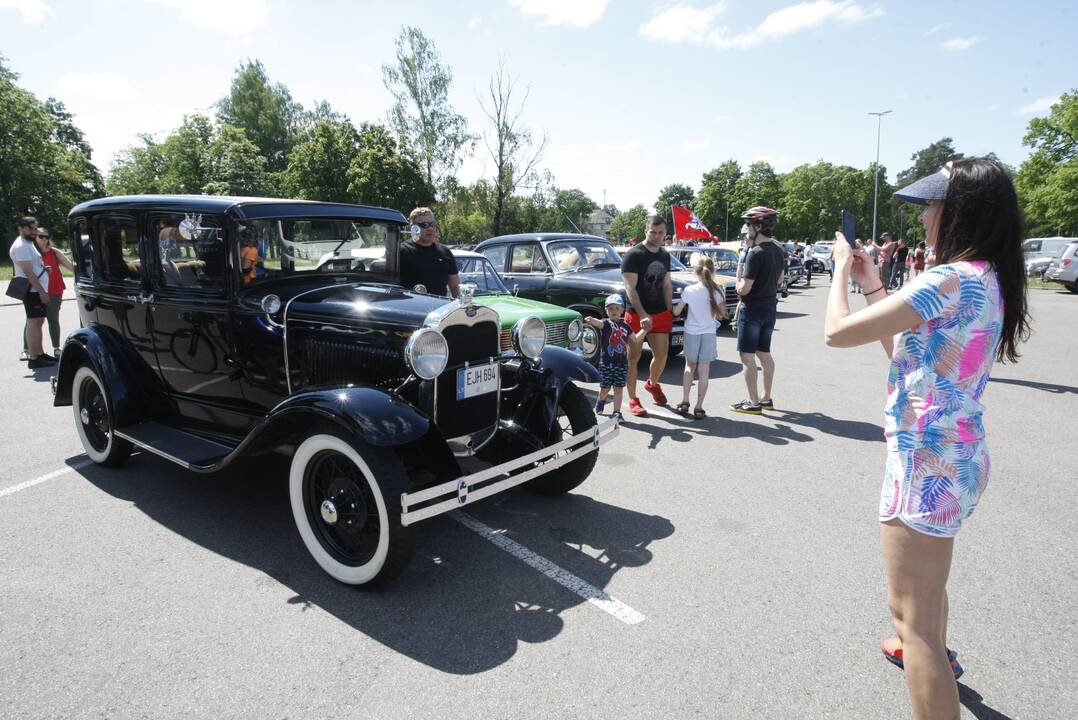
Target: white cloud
34 12
226 16
935 29
576 13
684 23
98 85
960 43
1038 106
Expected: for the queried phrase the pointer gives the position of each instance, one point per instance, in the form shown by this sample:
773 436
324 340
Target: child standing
615 335
706 304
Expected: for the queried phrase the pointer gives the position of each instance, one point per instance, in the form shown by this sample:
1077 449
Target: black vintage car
574 271
216 328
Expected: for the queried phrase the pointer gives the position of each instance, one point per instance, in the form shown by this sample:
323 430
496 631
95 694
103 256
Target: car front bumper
453 494
1061 275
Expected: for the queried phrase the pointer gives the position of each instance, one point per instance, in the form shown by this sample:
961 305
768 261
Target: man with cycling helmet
757 286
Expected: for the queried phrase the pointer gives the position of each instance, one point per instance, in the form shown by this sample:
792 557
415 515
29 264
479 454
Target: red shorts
660 322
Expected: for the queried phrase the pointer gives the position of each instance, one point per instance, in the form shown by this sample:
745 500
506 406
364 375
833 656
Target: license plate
477 380
677 340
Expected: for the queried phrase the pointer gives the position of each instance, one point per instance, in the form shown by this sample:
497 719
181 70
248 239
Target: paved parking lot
727 567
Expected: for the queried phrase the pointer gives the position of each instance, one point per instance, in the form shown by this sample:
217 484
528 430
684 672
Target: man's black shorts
33 306
755 323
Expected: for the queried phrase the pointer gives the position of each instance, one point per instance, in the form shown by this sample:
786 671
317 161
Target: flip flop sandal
699 413
683 408
892 652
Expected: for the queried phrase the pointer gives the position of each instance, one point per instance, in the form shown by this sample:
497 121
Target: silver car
1064 269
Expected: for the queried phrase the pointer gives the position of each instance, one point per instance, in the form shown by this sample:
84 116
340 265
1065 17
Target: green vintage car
564 327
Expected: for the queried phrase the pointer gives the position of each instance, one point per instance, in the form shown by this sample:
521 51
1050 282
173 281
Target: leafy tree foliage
319 163
267 113
1048 181
381 175
630 224
713 203
235 164
813 197
674 194
426 125
759 186
45 163
928 160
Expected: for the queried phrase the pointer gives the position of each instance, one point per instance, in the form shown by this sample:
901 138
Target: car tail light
1067 262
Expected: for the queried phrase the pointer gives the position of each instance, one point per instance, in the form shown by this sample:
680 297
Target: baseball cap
613 300
930 187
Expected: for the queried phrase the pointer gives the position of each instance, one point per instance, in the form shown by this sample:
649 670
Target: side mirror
516 289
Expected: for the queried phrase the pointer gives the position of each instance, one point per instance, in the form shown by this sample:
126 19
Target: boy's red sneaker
636 409
656 392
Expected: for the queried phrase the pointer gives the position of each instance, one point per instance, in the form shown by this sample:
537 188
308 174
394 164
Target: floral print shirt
940 368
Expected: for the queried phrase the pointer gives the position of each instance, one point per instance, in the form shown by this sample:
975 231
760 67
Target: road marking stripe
563 577
44 478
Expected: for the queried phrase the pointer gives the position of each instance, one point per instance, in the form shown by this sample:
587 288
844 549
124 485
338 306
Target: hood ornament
467 294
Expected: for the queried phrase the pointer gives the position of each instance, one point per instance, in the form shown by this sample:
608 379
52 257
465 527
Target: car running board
193 452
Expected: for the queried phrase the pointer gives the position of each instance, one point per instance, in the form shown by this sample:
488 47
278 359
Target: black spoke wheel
575 415
345 497
94 421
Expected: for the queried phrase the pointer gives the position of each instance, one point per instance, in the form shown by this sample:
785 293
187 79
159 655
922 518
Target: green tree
235 165
465 211
380 175
630 223
1047 182
713 203
426 125
136 170
759 186
928 160
184 167
269 116
572 204
674 194
319 163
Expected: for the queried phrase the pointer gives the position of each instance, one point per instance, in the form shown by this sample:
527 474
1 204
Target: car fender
127 380
568 366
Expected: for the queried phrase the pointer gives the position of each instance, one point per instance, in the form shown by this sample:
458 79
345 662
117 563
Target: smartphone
849 228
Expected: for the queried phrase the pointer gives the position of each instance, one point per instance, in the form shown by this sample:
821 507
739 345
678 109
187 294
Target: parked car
1064 269
1045 247
574 271
217 328
1037 265
725 271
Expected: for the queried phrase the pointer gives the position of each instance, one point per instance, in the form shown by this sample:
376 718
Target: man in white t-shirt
27 261
807 254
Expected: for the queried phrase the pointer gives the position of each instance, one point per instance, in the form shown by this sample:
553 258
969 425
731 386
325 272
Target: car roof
541 236
243 208
467 254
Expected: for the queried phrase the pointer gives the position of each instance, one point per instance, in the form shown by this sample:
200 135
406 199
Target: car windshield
724 259
285 246
573 255
479 272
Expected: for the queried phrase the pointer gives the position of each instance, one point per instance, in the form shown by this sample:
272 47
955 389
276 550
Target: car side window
496 255
527 259
83 250
118 241
190 251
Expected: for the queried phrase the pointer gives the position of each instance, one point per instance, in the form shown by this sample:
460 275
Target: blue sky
781 81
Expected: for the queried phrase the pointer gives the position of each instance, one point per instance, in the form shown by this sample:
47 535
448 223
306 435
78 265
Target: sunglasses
425 225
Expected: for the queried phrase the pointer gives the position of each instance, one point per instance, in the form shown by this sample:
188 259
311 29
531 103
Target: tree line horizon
261 142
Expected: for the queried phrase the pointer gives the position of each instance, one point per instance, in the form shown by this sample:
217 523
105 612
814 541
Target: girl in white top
706 305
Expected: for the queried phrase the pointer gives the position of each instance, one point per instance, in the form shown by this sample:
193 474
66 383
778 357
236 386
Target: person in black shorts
615 340
26 258
423 261
758 288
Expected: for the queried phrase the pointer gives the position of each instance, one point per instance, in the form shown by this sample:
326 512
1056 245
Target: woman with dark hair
941 333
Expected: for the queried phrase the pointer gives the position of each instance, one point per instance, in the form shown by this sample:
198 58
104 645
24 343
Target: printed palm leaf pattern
978 353
969 477
972 298
933 482
950 288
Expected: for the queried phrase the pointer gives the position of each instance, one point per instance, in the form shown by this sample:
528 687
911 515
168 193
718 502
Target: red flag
687 226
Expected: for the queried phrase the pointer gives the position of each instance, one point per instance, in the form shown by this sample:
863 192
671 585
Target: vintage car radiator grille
556 334
473 344
731 298
336 361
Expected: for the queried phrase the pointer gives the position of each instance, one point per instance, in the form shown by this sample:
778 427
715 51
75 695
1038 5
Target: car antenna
570 220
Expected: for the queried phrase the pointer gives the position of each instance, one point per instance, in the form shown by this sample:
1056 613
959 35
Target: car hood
510 309
688 277
366 303
605 278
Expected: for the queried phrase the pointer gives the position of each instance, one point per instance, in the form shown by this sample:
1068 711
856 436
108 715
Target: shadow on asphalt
973 702
43 374
852 429
462 607
1047 387
684 428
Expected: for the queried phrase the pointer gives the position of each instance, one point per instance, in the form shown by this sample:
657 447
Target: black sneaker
42 361
747 407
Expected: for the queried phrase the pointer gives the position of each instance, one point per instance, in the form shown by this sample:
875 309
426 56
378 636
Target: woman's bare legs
686 380
917 568
702 372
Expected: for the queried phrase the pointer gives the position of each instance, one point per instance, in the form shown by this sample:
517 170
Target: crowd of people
961 307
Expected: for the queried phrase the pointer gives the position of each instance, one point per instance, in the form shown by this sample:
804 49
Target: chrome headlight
574 330
529 337
589 341
427 353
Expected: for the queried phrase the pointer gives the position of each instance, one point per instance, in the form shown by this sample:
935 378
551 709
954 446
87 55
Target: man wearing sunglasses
26 258
423 261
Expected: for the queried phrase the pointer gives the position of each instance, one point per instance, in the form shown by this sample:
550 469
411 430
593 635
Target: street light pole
876 180
726 229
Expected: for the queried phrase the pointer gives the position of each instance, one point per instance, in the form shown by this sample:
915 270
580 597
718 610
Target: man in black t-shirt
898 267
757 285
423 261
646 272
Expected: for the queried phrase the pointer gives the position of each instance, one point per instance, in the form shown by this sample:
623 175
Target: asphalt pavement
727 567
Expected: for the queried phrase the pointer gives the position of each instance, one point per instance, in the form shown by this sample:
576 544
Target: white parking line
586 590
44 478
